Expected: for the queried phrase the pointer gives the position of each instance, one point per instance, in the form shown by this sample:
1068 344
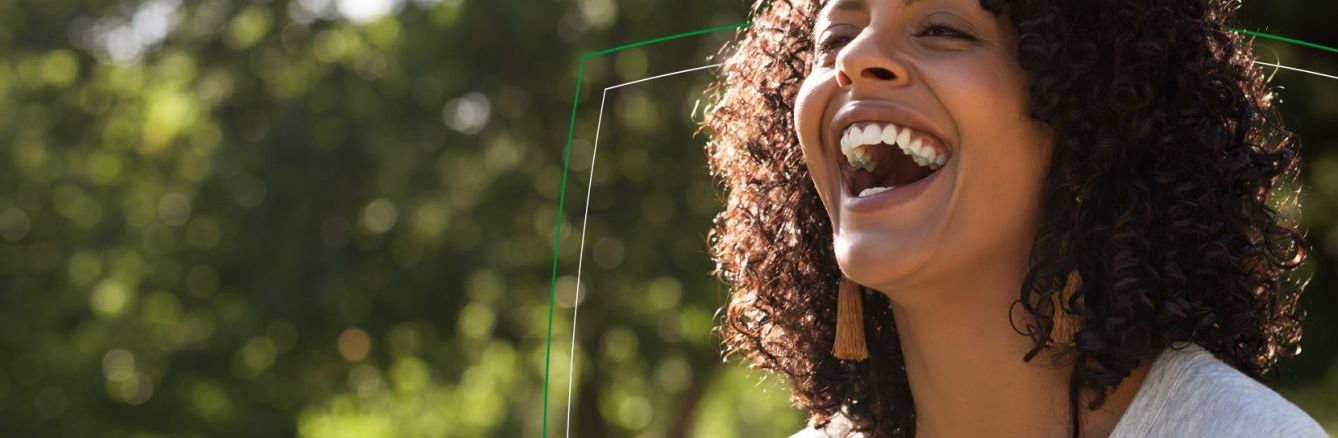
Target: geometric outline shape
566 163
585 218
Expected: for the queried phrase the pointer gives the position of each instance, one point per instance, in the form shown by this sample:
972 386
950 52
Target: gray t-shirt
1190 393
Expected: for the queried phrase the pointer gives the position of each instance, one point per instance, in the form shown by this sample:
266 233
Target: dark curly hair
1171 192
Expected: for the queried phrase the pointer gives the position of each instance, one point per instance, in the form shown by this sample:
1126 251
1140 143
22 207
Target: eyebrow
849 5
860 5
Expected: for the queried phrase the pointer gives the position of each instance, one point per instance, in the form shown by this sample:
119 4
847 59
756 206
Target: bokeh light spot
203 233
118 365
467 114
476 321
60 68
249 27
136 390
109 298
365 380
380 216
354 345
362 11
259 353
14 223
174 209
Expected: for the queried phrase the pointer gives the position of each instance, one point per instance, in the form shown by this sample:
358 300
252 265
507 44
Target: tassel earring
850 344
1065 325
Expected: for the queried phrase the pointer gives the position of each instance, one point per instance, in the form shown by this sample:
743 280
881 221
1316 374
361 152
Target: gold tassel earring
850 344
1065 324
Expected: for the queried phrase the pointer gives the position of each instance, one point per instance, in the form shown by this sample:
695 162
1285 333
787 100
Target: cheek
1004 169
989 102
812 106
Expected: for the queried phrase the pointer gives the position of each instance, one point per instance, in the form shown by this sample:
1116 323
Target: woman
1008 218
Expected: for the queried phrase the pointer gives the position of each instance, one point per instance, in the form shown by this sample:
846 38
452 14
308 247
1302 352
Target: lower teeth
873 191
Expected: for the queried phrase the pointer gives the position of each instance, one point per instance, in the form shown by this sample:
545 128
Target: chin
884 260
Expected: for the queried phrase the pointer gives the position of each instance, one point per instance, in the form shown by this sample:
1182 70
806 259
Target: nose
865 62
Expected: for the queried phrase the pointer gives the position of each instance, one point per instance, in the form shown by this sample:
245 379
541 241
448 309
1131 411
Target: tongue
894 169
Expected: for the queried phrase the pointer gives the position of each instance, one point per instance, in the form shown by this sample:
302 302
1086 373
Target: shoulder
1190 392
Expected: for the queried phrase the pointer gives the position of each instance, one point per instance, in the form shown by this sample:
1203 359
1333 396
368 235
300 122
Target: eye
832 43
944 31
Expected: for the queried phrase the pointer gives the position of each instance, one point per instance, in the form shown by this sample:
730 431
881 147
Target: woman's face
914 125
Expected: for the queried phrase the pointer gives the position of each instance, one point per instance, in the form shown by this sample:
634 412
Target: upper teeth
861 135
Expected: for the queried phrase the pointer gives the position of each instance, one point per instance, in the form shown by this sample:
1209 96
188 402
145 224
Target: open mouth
882 156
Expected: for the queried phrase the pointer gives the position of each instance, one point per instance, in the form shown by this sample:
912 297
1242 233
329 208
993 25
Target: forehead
857 5
836 8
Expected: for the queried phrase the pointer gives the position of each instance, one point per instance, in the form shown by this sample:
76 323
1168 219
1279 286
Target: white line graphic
580 257
1296 69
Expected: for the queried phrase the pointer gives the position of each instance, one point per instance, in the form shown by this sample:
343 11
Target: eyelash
929 30
947 31
832 43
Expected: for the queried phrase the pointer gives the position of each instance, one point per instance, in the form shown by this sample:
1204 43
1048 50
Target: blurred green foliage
336 218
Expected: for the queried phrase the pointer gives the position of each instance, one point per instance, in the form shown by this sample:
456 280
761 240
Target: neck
965 368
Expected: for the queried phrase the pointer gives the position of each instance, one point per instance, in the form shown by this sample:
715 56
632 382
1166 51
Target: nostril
842 79
879 73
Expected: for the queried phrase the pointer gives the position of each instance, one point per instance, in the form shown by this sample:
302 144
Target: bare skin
951 252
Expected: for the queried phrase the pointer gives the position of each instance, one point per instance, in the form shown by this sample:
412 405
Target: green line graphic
571 129
663 39
1285 39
